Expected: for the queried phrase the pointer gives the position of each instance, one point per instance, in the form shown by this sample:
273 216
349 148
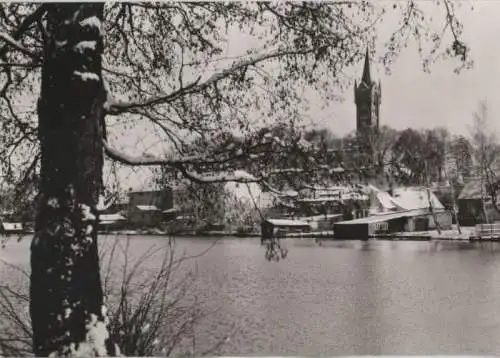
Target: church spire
367 98
366 70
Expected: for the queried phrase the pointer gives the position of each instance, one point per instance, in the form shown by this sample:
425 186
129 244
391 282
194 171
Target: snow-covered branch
213 158
237 176
115 108
177 163
147 159
181 163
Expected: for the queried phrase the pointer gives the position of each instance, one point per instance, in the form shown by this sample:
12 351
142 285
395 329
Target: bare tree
140 298
486 151
452 186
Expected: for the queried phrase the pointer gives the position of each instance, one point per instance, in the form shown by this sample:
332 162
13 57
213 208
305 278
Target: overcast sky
412 98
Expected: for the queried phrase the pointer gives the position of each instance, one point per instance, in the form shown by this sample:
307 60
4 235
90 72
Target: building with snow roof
407 210
146 208
380 201
409 198
470 204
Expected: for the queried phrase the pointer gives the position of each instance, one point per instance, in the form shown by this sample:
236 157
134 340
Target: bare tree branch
15 44
25 25
147 159
12 64
115 108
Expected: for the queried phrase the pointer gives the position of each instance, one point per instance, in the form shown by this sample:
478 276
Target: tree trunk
429 200
452 185
66 303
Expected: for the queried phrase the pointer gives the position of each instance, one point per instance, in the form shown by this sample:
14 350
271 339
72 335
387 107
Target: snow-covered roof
171 210
382 198
322 217
12 226
147 208
415 198
337 193
287 222
351 196
386 200
110 217
385 217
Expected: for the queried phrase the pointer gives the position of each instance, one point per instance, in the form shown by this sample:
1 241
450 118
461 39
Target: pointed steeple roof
366 78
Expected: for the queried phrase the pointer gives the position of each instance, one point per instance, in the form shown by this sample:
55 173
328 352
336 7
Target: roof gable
416 198
386 201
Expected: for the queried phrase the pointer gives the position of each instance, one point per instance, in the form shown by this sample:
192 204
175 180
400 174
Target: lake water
345 297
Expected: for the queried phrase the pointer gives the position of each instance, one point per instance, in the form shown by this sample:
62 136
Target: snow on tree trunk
66 306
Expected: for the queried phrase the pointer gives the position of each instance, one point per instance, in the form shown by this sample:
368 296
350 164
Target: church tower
367 96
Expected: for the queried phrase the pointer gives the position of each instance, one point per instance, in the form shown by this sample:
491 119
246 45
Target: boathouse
280 227
387 223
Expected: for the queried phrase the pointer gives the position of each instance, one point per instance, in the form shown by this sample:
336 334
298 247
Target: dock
486 232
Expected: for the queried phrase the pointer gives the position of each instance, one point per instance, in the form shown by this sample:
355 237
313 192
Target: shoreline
180 234
467 235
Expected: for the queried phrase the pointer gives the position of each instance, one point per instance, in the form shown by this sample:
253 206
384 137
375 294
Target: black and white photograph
250 178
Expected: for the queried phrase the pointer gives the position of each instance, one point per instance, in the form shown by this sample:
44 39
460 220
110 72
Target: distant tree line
304 159
407 157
